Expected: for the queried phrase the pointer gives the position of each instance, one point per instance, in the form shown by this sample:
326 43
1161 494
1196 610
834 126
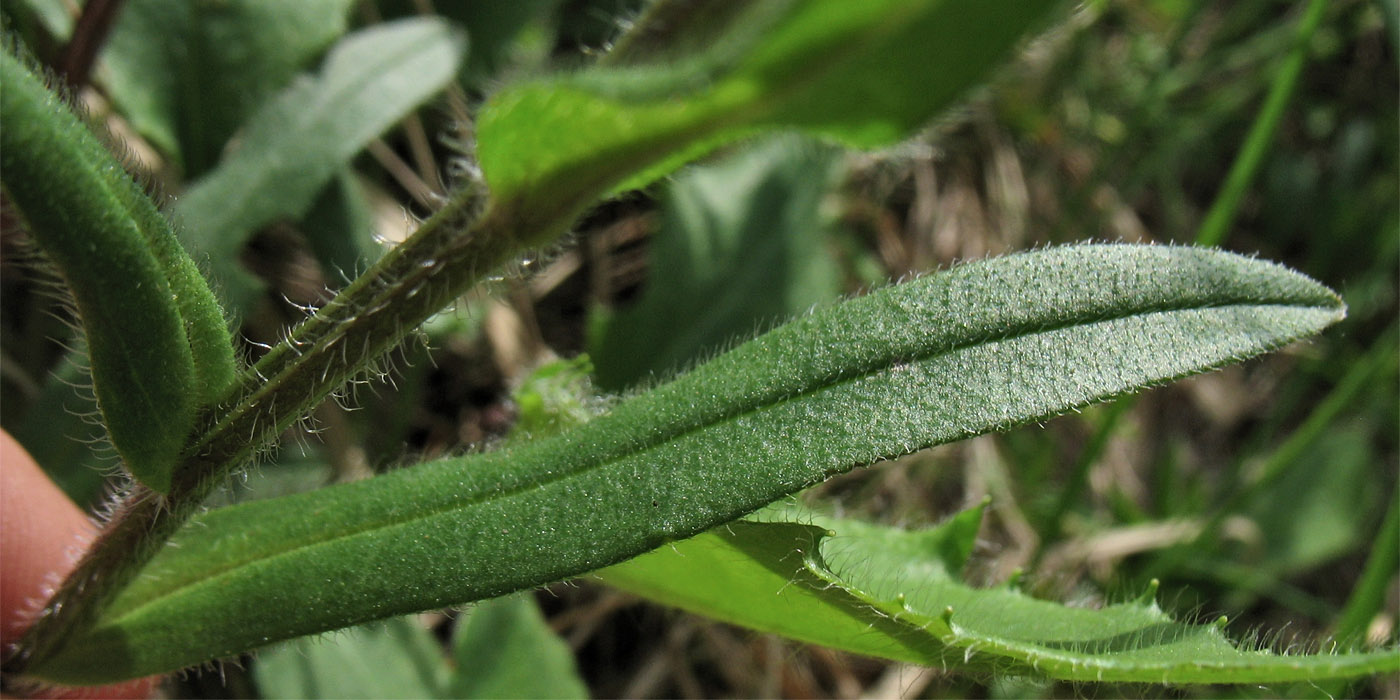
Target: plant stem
1256 145
451 251
89 34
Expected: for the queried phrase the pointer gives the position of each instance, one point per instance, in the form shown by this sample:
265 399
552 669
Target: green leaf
752 574
25 16
495 29
1310 515
505 649
502 648
895 594
864 73
978 348
297 143
187 74
125 270
396 658
741 245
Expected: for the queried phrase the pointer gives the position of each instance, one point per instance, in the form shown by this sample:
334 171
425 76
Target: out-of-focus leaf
494 28
50 15
396 658
187 74
301 138
339 227
742 244
61 431
1311 514
505 649
502 648
865 73
283 474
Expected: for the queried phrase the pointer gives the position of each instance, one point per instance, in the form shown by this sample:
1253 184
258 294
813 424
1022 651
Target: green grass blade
978 348
302 137
1216 225
864 73
1382 564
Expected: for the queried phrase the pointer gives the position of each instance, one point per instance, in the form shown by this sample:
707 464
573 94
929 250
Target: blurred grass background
1257 492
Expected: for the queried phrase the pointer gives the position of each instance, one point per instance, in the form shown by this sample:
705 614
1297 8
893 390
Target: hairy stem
446 256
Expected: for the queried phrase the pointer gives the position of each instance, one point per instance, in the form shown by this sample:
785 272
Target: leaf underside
981 347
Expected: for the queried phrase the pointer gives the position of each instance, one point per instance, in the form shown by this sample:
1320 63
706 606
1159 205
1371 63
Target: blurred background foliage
1258 492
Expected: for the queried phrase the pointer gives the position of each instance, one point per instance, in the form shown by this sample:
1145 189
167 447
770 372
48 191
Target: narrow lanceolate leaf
307 133
158 342
896 594
980 347
864 73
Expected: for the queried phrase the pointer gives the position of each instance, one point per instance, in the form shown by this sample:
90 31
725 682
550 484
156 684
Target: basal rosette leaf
977 348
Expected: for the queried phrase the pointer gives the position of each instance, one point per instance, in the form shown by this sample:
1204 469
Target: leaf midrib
853 374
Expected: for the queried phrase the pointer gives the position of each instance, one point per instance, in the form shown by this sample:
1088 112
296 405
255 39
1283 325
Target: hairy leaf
980 347
752 574
126 271
896 594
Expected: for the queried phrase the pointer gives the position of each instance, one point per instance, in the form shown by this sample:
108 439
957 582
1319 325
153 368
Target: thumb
42 535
